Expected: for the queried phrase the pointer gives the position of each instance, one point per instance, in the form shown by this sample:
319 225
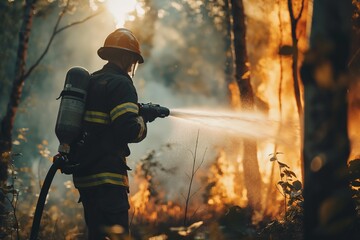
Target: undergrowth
63 216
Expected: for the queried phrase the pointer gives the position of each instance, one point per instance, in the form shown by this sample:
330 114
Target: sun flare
124 10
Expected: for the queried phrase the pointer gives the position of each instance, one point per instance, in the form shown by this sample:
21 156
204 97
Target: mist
197 81
184 68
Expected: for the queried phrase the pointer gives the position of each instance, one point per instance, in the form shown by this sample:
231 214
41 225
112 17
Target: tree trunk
295 53
232 85
295 70
7 122
242 76
328 208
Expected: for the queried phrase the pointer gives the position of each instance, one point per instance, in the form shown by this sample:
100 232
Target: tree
242 75
328 210
21 73
295 62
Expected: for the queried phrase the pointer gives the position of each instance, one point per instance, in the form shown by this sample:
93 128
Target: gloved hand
58 156
150 111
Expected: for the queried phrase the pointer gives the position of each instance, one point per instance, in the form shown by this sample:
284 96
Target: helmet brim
107 53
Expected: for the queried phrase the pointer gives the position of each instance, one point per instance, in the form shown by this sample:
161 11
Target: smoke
184 69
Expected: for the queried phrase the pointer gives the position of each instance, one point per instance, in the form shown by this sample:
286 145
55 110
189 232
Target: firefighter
111 122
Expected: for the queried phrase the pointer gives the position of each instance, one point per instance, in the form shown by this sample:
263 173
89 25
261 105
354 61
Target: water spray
240 124
243 124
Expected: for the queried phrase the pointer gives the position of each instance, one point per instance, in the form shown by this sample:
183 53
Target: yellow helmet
120 40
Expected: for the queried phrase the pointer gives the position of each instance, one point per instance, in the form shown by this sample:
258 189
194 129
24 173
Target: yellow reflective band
101 178
122 109
97 117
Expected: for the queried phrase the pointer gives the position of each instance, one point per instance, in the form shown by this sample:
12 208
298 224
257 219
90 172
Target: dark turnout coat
111 122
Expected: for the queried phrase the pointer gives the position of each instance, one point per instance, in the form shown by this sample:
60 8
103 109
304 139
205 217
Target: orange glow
269 79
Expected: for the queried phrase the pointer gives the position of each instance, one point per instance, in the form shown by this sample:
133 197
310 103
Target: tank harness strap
71 94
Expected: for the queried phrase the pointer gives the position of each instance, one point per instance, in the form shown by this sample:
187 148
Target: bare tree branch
191 180
55 32
291 11
300 11
78 22
202 161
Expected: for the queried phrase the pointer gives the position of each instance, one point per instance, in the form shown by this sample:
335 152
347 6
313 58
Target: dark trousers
106 208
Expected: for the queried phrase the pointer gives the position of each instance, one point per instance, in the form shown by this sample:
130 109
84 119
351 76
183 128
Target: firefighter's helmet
118 41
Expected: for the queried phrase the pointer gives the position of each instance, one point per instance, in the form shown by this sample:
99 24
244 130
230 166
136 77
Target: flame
234 95
124 10
141 198
149 208
269 78
224 177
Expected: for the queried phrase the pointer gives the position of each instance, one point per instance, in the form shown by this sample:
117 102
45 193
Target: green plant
291 226
290 188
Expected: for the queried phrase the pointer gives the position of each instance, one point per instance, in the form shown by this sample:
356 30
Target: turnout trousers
105 209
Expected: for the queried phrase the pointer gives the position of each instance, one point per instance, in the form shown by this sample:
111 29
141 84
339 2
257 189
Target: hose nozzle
163 111
150 111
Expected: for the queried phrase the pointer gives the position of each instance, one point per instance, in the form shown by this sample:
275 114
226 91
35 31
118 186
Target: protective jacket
111 121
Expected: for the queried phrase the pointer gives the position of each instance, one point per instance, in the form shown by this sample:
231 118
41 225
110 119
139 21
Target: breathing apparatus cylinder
72 107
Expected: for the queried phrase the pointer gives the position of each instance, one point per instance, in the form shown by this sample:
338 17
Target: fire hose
58 162
148 111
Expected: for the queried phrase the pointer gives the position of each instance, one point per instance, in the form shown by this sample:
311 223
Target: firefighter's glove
150 111
57 157
60 160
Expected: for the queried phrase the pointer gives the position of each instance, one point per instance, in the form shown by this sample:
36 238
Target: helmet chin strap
133 69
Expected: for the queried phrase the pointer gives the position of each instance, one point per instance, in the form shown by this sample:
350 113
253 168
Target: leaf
292 173
283 165
297 185
288 187
295 195
273 159
286 50
289 173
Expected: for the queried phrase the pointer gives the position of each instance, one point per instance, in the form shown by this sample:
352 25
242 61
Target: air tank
72 106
